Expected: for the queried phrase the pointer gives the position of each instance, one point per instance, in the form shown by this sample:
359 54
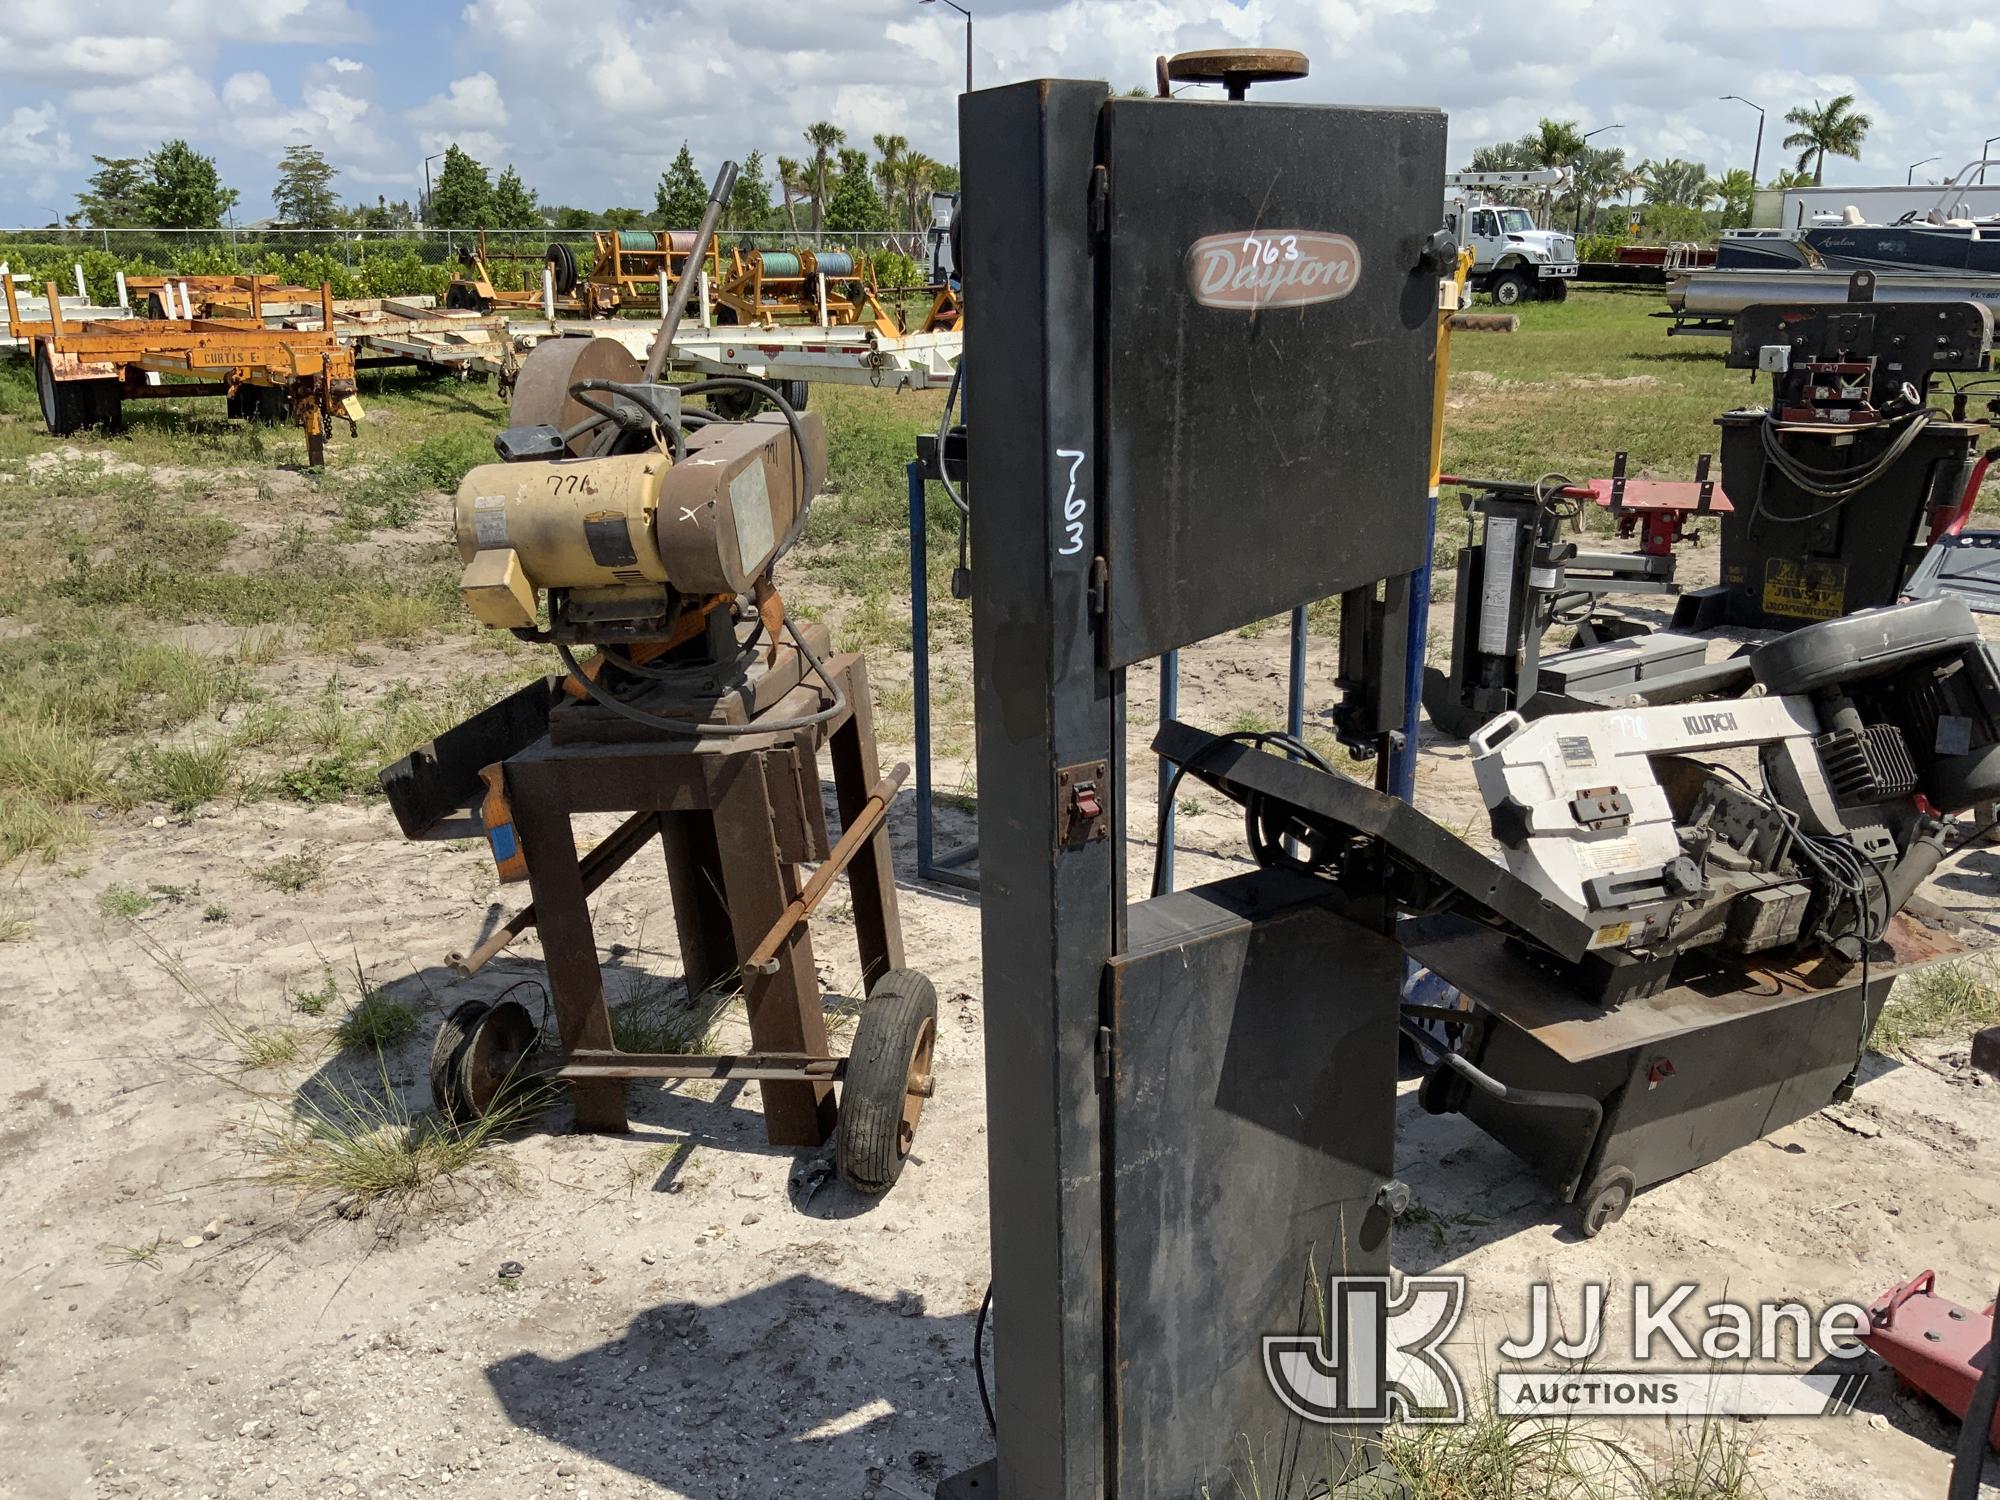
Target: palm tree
825 138
1834 128
793 186
1738 191
1633 179
1787 178
890 148
1685 184
917 175
1552 143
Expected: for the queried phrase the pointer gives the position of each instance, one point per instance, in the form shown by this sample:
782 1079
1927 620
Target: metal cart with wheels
736 818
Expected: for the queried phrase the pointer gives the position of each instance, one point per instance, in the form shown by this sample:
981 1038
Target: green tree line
1674 199
829 186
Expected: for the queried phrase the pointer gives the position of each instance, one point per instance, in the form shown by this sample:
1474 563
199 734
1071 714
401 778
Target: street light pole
1984 151
1576 224
427 186
1757 152
1910 177
968 37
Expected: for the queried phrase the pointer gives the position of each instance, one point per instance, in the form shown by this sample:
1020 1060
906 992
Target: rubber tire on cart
1442 1092
480 1052
888 1077
458 297
69 406
1604 1202
1508 289
795 392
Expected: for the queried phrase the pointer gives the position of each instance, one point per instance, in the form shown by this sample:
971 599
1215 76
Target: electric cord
1835 485
1266 846
833 710
979 1358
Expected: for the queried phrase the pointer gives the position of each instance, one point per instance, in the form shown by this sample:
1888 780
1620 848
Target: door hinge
1104 1052
1100 585
1100 199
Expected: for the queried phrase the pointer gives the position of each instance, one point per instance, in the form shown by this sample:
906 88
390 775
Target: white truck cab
1512 260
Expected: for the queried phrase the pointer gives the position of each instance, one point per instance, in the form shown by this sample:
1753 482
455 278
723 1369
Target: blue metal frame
942 869
946 868
1403 756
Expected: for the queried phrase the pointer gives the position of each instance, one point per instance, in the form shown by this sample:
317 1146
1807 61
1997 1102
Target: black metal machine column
1202 397
1044 700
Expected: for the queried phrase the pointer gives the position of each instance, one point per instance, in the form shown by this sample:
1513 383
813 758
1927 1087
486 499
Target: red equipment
1658 510
1932 1344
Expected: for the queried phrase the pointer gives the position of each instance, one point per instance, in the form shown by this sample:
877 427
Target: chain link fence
375 262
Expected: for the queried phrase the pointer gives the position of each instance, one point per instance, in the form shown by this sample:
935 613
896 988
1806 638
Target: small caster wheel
1441 1093
888 1079
1604 1202
478 1054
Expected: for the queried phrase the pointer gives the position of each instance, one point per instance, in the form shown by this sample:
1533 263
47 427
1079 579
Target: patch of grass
259 1047
1945 1000
314 1001
657 1016
1249 721
215 911
362 1145
292 873
123 901
183 777
147 1254
378 1021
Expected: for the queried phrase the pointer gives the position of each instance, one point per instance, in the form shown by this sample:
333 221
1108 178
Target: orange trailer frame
86 370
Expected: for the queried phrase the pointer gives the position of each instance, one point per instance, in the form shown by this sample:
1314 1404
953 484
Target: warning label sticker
1805 588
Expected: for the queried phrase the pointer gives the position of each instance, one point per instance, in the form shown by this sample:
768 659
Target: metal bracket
1083 797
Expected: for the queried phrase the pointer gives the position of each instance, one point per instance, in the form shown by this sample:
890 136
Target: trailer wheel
69 406
1604 1202
480 1052
1508 289
796 393
1555 289
888 1079
259 403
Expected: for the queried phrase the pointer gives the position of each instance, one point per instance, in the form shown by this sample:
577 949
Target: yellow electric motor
622 536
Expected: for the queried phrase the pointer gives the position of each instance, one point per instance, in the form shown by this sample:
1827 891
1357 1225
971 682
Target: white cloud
591 101
31 140
472 103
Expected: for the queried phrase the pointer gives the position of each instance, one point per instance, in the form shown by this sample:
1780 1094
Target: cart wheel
796 393
888 1079
479 1051
1442 1092
1605 1202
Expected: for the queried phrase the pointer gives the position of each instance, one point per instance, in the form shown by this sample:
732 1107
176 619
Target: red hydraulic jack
1933 1344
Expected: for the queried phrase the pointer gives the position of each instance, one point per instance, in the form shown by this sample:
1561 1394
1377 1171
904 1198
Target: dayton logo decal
1379 1357
1247 271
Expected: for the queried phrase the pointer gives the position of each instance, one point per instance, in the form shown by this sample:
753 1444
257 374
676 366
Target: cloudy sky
590 97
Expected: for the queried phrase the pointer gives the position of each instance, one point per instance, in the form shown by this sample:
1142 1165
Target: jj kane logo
1381 1357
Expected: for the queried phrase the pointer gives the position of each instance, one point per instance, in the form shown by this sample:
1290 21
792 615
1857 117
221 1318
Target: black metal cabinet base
1683 1077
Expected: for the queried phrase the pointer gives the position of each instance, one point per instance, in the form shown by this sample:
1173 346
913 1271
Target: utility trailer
854 354
86 370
